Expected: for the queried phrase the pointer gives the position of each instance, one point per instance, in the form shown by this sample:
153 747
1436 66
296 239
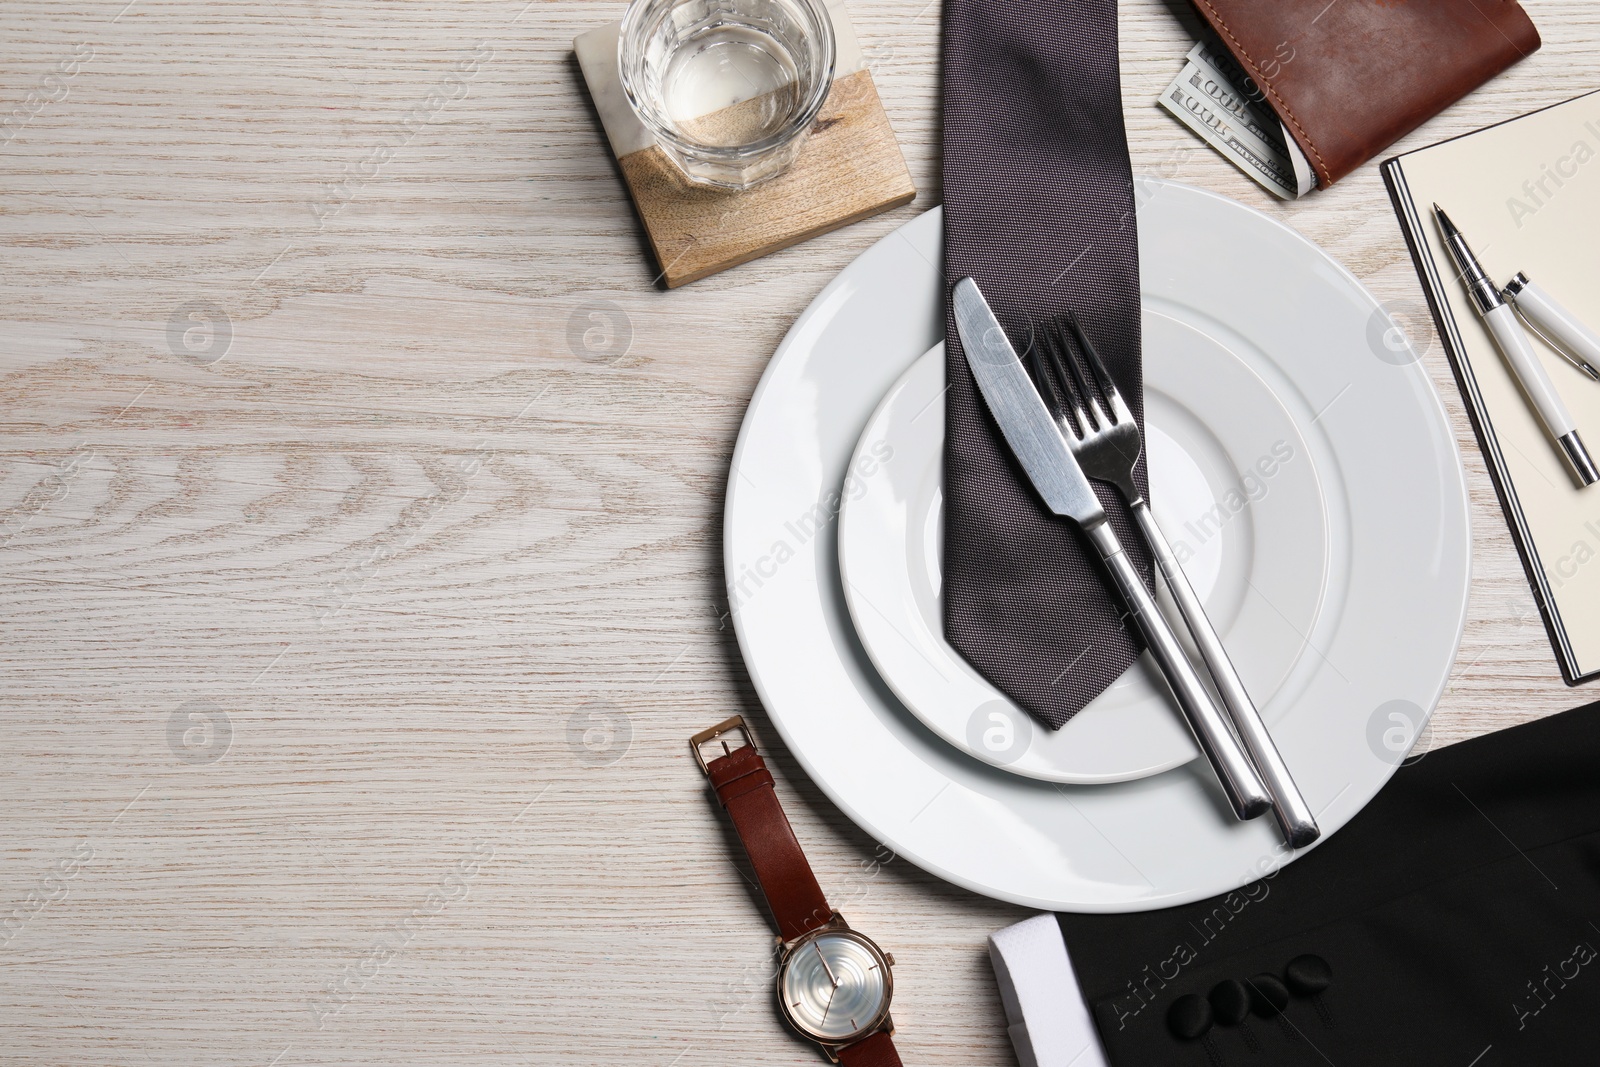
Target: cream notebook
1526 194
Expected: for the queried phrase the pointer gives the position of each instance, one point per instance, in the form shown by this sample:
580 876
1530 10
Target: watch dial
834 985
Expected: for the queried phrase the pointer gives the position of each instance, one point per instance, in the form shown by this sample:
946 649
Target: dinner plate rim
1454 497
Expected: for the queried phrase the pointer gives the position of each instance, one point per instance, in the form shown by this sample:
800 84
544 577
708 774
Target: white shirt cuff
1048 1021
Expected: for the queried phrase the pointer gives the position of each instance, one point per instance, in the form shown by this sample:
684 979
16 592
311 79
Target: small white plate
1245 519
1394 582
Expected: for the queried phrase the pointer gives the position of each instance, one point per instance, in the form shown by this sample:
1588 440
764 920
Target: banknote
1219 59
1229 134
1216 87
1221 103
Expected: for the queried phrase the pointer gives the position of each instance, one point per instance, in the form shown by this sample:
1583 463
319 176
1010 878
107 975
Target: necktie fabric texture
1039 209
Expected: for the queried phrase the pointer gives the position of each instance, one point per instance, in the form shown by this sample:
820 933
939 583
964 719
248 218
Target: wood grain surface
359 521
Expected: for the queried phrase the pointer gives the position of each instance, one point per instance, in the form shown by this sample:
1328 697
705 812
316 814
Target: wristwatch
834 984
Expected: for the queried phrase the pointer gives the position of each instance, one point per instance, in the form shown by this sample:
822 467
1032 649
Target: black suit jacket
1454 921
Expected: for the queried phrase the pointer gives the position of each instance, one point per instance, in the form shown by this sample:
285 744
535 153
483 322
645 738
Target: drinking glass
729 88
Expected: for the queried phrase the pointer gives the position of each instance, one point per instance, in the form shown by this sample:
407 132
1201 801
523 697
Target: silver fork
1107 445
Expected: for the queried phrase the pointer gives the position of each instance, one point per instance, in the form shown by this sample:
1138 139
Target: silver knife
1039 447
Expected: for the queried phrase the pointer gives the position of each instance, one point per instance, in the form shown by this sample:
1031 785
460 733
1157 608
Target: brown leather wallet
1350 77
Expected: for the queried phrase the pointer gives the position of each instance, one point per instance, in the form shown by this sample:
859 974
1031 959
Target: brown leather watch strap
875 1051
744 786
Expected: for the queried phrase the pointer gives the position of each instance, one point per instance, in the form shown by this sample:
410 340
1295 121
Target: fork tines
1054 362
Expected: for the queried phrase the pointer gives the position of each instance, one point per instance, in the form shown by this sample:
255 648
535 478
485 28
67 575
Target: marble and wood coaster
849 168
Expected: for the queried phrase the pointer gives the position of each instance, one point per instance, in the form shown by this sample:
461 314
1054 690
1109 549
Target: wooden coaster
849 168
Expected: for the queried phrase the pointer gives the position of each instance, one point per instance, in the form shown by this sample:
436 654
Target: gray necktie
1039 208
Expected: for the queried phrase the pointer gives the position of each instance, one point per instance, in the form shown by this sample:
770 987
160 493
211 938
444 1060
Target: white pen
1525 366
1572 339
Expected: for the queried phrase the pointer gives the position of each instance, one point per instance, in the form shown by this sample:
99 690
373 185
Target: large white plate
1229 484
1388 626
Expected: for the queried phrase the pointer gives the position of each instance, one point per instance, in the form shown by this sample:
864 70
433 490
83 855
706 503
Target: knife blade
1033 435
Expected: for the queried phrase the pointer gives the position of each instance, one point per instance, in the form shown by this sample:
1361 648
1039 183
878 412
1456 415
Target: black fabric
1039 209
1454 921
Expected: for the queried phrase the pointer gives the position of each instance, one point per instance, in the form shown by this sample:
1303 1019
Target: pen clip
1560 349
1532 303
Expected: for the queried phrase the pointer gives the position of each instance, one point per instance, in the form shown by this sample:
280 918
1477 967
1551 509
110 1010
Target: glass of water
729 88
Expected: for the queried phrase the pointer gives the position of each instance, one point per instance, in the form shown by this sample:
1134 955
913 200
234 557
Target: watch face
834 985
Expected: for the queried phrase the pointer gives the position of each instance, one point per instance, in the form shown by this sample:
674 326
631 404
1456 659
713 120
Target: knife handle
1294 815
1246 794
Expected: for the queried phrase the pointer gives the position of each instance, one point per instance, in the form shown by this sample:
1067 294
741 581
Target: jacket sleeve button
1308 975
1230 1002
1268 996
1189 1017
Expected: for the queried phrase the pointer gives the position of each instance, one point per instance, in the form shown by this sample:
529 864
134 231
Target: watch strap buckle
734 725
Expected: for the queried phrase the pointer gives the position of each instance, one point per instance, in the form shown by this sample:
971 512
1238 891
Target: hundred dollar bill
1215 59
1229 134
1209 83
1208 55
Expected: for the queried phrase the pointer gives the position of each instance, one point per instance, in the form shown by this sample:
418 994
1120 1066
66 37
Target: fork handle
1293 814
1246 794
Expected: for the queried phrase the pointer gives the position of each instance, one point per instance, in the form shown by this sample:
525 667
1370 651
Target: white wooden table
325 551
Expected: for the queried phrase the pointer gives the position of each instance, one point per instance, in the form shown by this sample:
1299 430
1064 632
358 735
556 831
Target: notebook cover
1351 77
1526 193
